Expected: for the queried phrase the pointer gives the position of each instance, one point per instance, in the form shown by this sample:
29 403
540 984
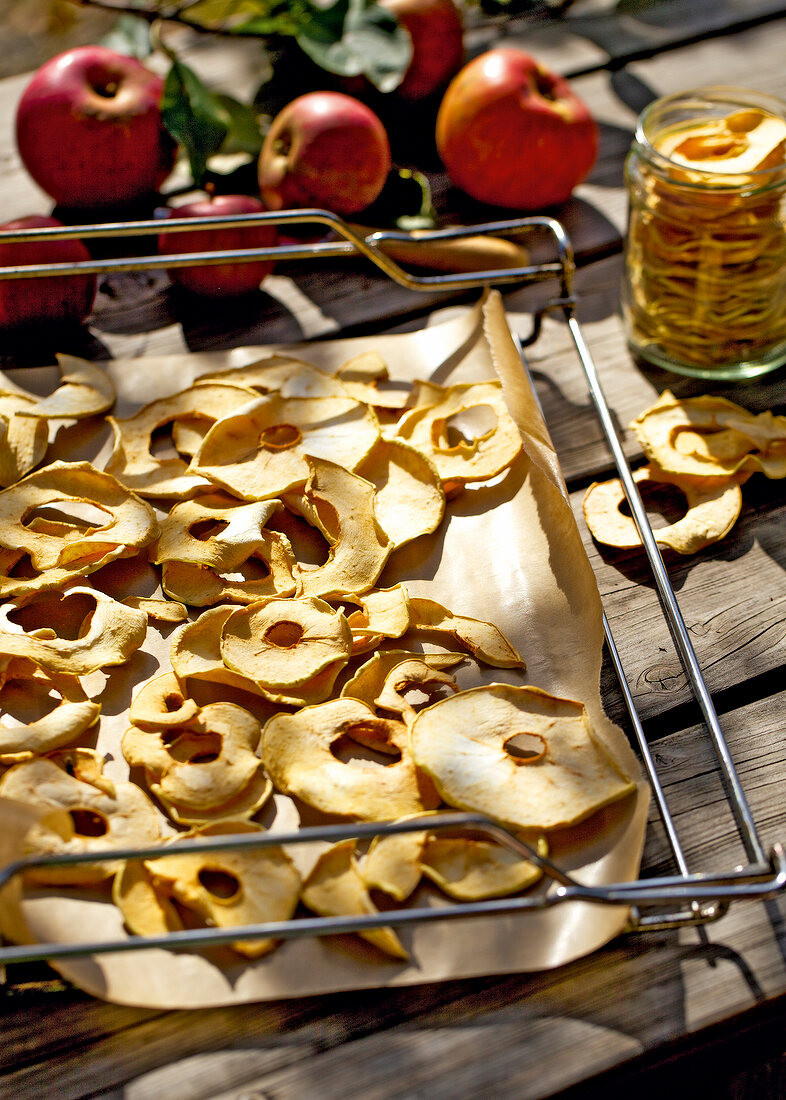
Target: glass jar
704 290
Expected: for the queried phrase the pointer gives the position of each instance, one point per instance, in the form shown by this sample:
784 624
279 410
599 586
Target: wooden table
652 1010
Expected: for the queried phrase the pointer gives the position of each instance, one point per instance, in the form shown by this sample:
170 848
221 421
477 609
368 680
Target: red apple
437 44
324 149
49 300
512 133
89 131
220 280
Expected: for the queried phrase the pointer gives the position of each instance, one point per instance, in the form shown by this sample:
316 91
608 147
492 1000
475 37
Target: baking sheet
509 551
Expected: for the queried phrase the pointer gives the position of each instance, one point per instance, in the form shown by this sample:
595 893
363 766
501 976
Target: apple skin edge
437 34
220 280
89 130
324 149
55 300
513 134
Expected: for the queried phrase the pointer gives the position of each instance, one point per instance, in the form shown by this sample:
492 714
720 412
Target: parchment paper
509 552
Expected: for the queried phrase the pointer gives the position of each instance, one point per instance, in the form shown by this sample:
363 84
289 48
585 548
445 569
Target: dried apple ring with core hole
146 910
232 889
340 505
195 652
711 512
708 436
484 640
335 888
409 500
200 774
468 434
100 631
279 374
23 439
212 547
260 451
160 704
300 755
26 690
122 522
518 754
361 377
284 645
412 685
85 390
465 866
384 613
102 820
369 680
138 457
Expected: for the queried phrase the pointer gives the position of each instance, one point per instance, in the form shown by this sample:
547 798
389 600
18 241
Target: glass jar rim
700 98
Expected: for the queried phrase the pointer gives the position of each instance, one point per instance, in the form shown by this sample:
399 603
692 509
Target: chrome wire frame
665 902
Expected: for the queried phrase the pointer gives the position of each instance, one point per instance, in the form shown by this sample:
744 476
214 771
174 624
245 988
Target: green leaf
354 37
194 116
244 134
246 17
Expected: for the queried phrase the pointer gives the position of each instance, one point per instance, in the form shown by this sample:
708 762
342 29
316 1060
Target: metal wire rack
685 898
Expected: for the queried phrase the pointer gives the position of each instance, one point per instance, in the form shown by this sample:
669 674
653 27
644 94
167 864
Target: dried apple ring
413 678
146 910
23 439
369 680
711 512
279 374
206 540
22 682
202 774
117 815
232 889
161 705
284 645
410 499
468 434
105 632
335 888
151 475
195 651
260 451
70 548
483 639
384 613
518 754
85 390
708 436
299 755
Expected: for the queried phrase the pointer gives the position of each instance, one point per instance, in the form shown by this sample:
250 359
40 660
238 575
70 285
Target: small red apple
324 149
512 133
48 300
89 131
220 280
437 35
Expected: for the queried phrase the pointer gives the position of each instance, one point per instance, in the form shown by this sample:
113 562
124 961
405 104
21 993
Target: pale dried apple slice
335 888
130 522
198 772
410 499
483 639
369 680
340 504
260 451
468 434
23 439
284 645
162 611
74 714
160 704
150 474
711 512
412 685
470 869
518 754
102 820
231 889
392 864
361 375
384 613
298 751
195 651
85 390
280 374
106 633
146 910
